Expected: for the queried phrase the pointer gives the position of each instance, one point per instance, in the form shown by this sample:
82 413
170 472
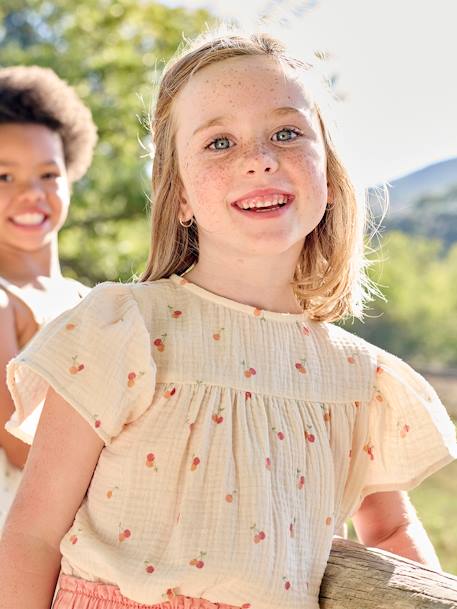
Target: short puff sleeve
401 436
97 356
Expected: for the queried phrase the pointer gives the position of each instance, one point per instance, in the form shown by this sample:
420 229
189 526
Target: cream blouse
237 440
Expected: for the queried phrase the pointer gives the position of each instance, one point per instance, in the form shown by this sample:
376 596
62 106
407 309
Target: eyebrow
218 120
290 110
13 164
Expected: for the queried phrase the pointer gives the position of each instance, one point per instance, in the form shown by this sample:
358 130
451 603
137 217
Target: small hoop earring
186 225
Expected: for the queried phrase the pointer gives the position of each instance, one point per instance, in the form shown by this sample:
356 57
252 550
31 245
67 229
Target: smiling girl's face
34 188
248 136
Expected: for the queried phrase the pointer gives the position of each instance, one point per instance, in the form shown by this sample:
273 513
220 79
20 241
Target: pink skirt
75 593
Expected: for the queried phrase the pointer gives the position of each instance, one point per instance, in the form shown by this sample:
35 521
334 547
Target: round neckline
255 312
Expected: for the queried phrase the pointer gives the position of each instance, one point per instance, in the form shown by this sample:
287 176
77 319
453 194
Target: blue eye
220 143
286 135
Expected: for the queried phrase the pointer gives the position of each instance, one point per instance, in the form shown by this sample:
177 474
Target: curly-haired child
47 138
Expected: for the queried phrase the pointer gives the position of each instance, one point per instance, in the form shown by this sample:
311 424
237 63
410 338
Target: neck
23 266
258 281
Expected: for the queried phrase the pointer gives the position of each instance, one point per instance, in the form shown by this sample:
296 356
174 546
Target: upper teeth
262 201
29 219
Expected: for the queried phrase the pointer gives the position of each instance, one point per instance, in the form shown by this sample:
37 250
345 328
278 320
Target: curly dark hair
32 94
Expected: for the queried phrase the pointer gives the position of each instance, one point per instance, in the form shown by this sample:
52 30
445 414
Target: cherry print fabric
104 369
237 440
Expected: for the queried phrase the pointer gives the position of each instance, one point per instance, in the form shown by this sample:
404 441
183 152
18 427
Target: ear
330 193
185 210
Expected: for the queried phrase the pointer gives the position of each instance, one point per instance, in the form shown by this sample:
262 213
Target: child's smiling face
247 133
34 189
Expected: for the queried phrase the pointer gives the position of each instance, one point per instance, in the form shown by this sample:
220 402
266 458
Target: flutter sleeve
401 436
96 355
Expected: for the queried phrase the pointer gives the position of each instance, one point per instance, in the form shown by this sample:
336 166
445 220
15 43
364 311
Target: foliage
417 322
432 216
112 53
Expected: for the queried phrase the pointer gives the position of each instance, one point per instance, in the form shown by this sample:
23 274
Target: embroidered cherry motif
159 343
217 334
259 535
125 534
195 463
76 366
248 372
230 496
198 562
309 436
174 312
216 417
301 366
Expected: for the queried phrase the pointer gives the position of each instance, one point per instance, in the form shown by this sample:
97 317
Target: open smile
267 205
29 221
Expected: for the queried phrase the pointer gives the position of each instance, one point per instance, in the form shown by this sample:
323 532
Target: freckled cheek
311 175
207 186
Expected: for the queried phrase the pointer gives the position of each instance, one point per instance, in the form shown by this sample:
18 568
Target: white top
236 440
43 307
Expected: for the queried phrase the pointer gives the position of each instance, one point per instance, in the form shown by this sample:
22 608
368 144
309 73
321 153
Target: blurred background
391 66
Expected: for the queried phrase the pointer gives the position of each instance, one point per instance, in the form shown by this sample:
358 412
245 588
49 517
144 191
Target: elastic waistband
75 586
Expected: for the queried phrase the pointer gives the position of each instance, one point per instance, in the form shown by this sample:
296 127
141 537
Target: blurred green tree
112 53
417 322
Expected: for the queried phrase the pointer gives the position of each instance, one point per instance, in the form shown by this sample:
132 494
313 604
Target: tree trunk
358 577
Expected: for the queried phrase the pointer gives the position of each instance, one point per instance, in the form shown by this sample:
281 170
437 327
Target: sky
396 62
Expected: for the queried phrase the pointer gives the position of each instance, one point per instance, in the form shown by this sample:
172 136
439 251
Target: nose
31 191
259 160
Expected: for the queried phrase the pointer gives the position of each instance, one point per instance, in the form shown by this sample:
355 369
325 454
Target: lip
30 228
261 192
265 215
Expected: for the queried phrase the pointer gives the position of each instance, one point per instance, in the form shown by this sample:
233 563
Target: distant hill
424 202
433 180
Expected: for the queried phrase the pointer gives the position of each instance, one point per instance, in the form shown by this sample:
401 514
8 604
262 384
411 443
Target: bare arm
16 450
389 521
56 477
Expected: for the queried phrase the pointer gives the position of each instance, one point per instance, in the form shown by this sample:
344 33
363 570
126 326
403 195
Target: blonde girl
206 430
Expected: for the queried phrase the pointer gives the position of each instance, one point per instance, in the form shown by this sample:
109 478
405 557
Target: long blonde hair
330 280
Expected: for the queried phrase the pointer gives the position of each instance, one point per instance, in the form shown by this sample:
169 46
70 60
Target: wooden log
358 577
